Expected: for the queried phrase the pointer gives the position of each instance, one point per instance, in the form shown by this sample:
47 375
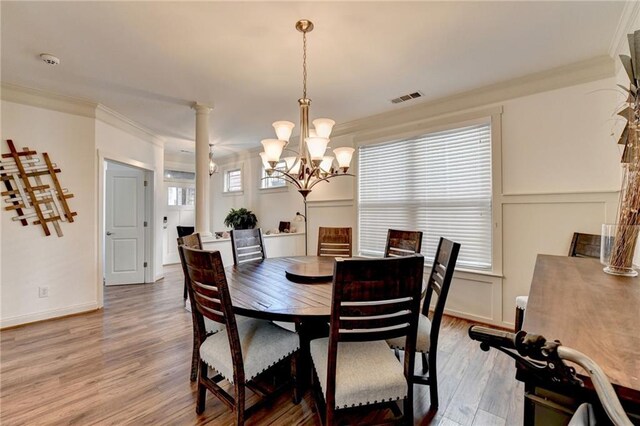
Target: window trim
225 175
492 115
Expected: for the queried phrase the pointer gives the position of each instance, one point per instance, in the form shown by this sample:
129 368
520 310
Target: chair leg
184 295
408 410
433 380
425 363
297 385
239 408
195 358
202 390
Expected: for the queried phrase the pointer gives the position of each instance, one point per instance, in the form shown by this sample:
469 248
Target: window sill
274 190
232 193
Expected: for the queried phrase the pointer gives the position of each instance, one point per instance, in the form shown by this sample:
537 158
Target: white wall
559 173
66 265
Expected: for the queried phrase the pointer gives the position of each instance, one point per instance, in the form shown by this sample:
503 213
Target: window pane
233 180
172 196
273 182
439 183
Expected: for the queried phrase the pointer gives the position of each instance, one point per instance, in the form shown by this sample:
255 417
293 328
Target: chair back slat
335 242
402 243
247 245
439 283
210 292
585 245
183 231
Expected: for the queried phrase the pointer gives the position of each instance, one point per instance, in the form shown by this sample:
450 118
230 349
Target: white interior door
180 212
124 226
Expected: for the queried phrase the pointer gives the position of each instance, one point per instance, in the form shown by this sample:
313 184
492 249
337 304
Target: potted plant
241 219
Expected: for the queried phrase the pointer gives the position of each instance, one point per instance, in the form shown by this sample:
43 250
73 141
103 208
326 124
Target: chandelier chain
304 65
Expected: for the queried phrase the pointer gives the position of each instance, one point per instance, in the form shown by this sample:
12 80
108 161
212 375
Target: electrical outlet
43 291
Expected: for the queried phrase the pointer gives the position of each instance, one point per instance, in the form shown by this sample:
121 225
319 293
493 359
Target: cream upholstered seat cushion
521 302
263 345
212 326
423 340
366 372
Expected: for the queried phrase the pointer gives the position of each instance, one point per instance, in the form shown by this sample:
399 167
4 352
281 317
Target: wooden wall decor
28 195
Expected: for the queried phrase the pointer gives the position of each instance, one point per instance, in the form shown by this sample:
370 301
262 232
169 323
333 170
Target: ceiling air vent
405 98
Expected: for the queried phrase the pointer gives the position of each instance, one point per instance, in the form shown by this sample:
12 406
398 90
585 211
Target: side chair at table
373 300
429 329
240 355
210 327
402 243
334 242
247 245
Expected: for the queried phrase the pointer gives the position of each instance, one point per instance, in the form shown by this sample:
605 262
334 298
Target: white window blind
439 183
233 180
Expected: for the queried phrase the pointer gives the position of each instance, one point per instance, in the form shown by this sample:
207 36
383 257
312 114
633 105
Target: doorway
126 220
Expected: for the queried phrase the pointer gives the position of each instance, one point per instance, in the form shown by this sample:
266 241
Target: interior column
202 169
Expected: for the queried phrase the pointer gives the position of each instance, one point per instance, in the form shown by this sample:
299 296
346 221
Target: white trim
45 315
114 118
625 26
149 199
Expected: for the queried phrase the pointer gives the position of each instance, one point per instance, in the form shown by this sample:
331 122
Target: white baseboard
477 318
45 315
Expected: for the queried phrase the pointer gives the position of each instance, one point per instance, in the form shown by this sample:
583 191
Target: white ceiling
151 60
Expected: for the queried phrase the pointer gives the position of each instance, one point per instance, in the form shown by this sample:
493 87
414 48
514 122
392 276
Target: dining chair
248 348
335 242
183 231
402 243
429 329
194 241
247 245
373 300
582 245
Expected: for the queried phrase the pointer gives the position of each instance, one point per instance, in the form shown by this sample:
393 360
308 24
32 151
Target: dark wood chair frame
191 241
242 238
376 282
184 231
208 284
582 245
439 283
402 243
334 241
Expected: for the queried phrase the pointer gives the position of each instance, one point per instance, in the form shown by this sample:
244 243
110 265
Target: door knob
109 233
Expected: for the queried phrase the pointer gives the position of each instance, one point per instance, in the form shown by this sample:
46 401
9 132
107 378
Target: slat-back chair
429 328
402 243
183 231
191 241
373 300
247 349
334 242
247 245
582 245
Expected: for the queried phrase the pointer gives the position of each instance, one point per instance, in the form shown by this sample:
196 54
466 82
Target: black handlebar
492 337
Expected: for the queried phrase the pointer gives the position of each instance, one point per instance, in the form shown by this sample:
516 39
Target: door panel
124 226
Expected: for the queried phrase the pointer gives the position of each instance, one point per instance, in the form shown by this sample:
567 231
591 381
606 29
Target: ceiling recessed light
49 59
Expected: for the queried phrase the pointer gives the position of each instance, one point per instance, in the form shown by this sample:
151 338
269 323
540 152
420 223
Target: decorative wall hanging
28 195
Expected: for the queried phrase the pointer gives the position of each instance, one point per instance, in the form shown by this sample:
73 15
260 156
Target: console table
574 301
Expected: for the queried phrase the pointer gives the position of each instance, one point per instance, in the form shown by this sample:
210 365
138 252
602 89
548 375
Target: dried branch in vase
628 211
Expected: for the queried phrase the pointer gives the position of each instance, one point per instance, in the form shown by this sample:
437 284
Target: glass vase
617 248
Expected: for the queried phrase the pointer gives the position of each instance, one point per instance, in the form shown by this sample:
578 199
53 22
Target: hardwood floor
129 364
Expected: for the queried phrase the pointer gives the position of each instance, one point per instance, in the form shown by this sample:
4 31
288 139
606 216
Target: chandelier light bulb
317 147
343 156
283 129
323 126
273 148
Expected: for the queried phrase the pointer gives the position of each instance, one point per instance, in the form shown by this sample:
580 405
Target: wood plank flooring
129 364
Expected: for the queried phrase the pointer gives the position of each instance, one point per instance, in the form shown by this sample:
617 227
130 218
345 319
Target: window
233 180
178 175
439 183
180 196
271 182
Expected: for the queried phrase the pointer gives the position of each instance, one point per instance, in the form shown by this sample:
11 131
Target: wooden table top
574 301
262 290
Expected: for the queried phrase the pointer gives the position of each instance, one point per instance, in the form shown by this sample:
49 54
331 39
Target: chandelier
310 165
213 167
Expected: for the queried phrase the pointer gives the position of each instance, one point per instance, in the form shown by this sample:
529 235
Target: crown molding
628 18
119 121
77 106
569 75
48 100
